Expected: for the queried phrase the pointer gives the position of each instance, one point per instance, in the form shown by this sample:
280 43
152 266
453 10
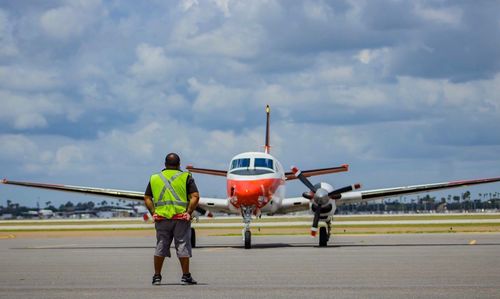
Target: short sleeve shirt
190 187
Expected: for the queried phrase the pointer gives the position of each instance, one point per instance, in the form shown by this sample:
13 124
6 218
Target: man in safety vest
171 197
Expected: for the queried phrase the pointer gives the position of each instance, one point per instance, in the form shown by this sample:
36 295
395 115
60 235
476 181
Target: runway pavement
372 266
93 224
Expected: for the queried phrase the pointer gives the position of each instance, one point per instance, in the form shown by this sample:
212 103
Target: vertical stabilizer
267 147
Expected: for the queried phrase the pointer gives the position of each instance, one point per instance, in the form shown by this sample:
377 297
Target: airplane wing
307 173
368 195
206 171
205 203
220 205
293 204
122 194
296 204
289 175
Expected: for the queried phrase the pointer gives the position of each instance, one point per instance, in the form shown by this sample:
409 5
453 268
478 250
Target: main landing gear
247 218
324 233
193 238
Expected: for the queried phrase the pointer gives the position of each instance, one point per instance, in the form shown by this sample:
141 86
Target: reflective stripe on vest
171 203
168 185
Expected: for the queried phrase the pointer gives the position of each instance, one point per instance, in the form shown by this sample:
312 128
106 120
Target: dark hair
172 160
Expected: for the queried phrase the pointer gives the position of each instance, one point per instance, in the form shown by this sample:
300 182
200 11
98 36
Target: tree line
16 209
425 204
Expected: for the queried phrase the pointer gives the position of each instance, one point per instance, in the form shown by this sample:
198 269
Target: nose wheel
323 237
247 212
248 239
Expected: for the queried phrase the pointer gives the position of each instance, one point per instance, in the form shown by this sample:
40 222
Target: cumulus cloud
201 32
8 47
93 89
16 146
71 19
450 16
26 111
23 78
152 64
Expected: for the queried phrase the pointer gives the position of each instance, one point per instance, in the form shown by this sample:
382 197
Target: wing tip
4 181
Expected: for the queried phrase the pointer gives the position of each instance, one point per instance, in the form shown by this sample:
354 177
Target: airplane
255 185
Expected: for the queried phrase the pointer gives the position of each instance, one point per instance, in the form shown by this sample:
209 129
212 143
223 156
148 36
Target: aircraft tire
248 239
193 238
323 237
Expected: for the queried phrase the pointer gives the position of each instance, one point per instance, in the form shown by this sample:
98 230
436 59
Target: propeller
320 196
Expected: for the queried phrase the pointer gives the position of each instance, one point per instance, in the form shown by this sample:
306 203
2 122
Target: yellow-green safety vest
169 192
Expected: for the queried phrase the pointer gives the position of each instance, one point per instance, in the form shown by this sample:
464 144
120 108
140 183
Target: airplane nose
247 191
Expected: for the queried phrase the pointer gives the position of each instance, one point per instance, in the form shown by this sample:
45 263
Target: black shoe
188 279
156 279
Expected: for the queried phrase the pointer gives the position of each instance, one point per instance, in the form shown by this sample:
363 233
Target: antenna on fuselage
267 147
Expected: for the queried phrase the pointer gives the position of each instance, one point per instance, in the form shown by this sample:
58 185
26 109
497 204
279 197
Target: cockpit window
240 163
262 162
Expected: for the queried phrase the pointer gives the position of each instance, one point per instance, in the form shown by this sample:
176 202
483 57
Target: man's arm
148 201
193 202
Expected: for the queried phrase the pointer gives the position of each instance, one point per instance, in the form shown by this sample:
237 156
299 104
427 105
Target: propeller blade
298 174
309 195
336 194
314 227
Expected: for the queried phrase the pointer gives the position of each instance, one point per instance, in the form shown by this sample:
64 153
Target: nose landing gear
247 212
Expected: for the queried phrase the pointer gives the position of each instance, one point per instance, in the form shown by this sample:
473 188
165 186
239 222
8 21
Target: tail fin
267 147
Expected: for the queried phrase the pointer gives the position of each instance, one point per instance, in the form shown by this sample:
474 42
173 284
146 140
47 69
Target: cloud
22 78
72 19
93 89
231 106
26 111
451 15
152 64
202 32
8 47
459 53
16 146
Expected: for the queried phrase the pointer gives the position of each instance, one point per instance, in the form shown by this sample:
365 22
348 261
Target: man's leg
158 263
186 276
184 264
163 241
182 239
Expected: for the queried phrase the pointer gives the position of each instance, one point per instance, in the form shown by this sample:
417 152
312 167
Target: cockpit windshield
263 162
255 166
240 163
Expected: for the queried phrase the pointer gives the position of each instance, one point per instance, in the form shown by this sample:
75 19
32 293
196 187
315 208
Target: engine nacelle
327 209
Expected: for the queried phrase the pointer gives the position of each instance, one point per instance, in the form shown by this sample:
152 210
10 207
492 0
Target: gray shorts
177 230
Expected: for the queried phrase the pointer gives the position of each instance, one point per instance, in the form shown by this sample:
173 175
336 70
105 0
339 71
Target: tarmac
365 266
36 226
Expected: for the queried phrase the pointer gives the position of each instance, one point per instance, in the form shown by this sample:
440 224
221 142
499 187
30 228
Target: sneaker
156 279
188 279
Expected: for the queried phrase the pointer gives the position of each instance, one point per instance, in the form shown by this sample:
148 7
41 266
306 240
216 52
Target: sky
95 93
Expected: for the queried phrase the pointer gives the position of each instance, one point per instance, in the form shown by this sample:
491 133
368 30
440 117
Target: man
171 197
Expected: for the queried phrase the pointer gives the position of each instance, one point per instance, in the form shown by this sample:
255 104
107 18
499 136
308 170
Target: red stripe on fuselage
248 192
